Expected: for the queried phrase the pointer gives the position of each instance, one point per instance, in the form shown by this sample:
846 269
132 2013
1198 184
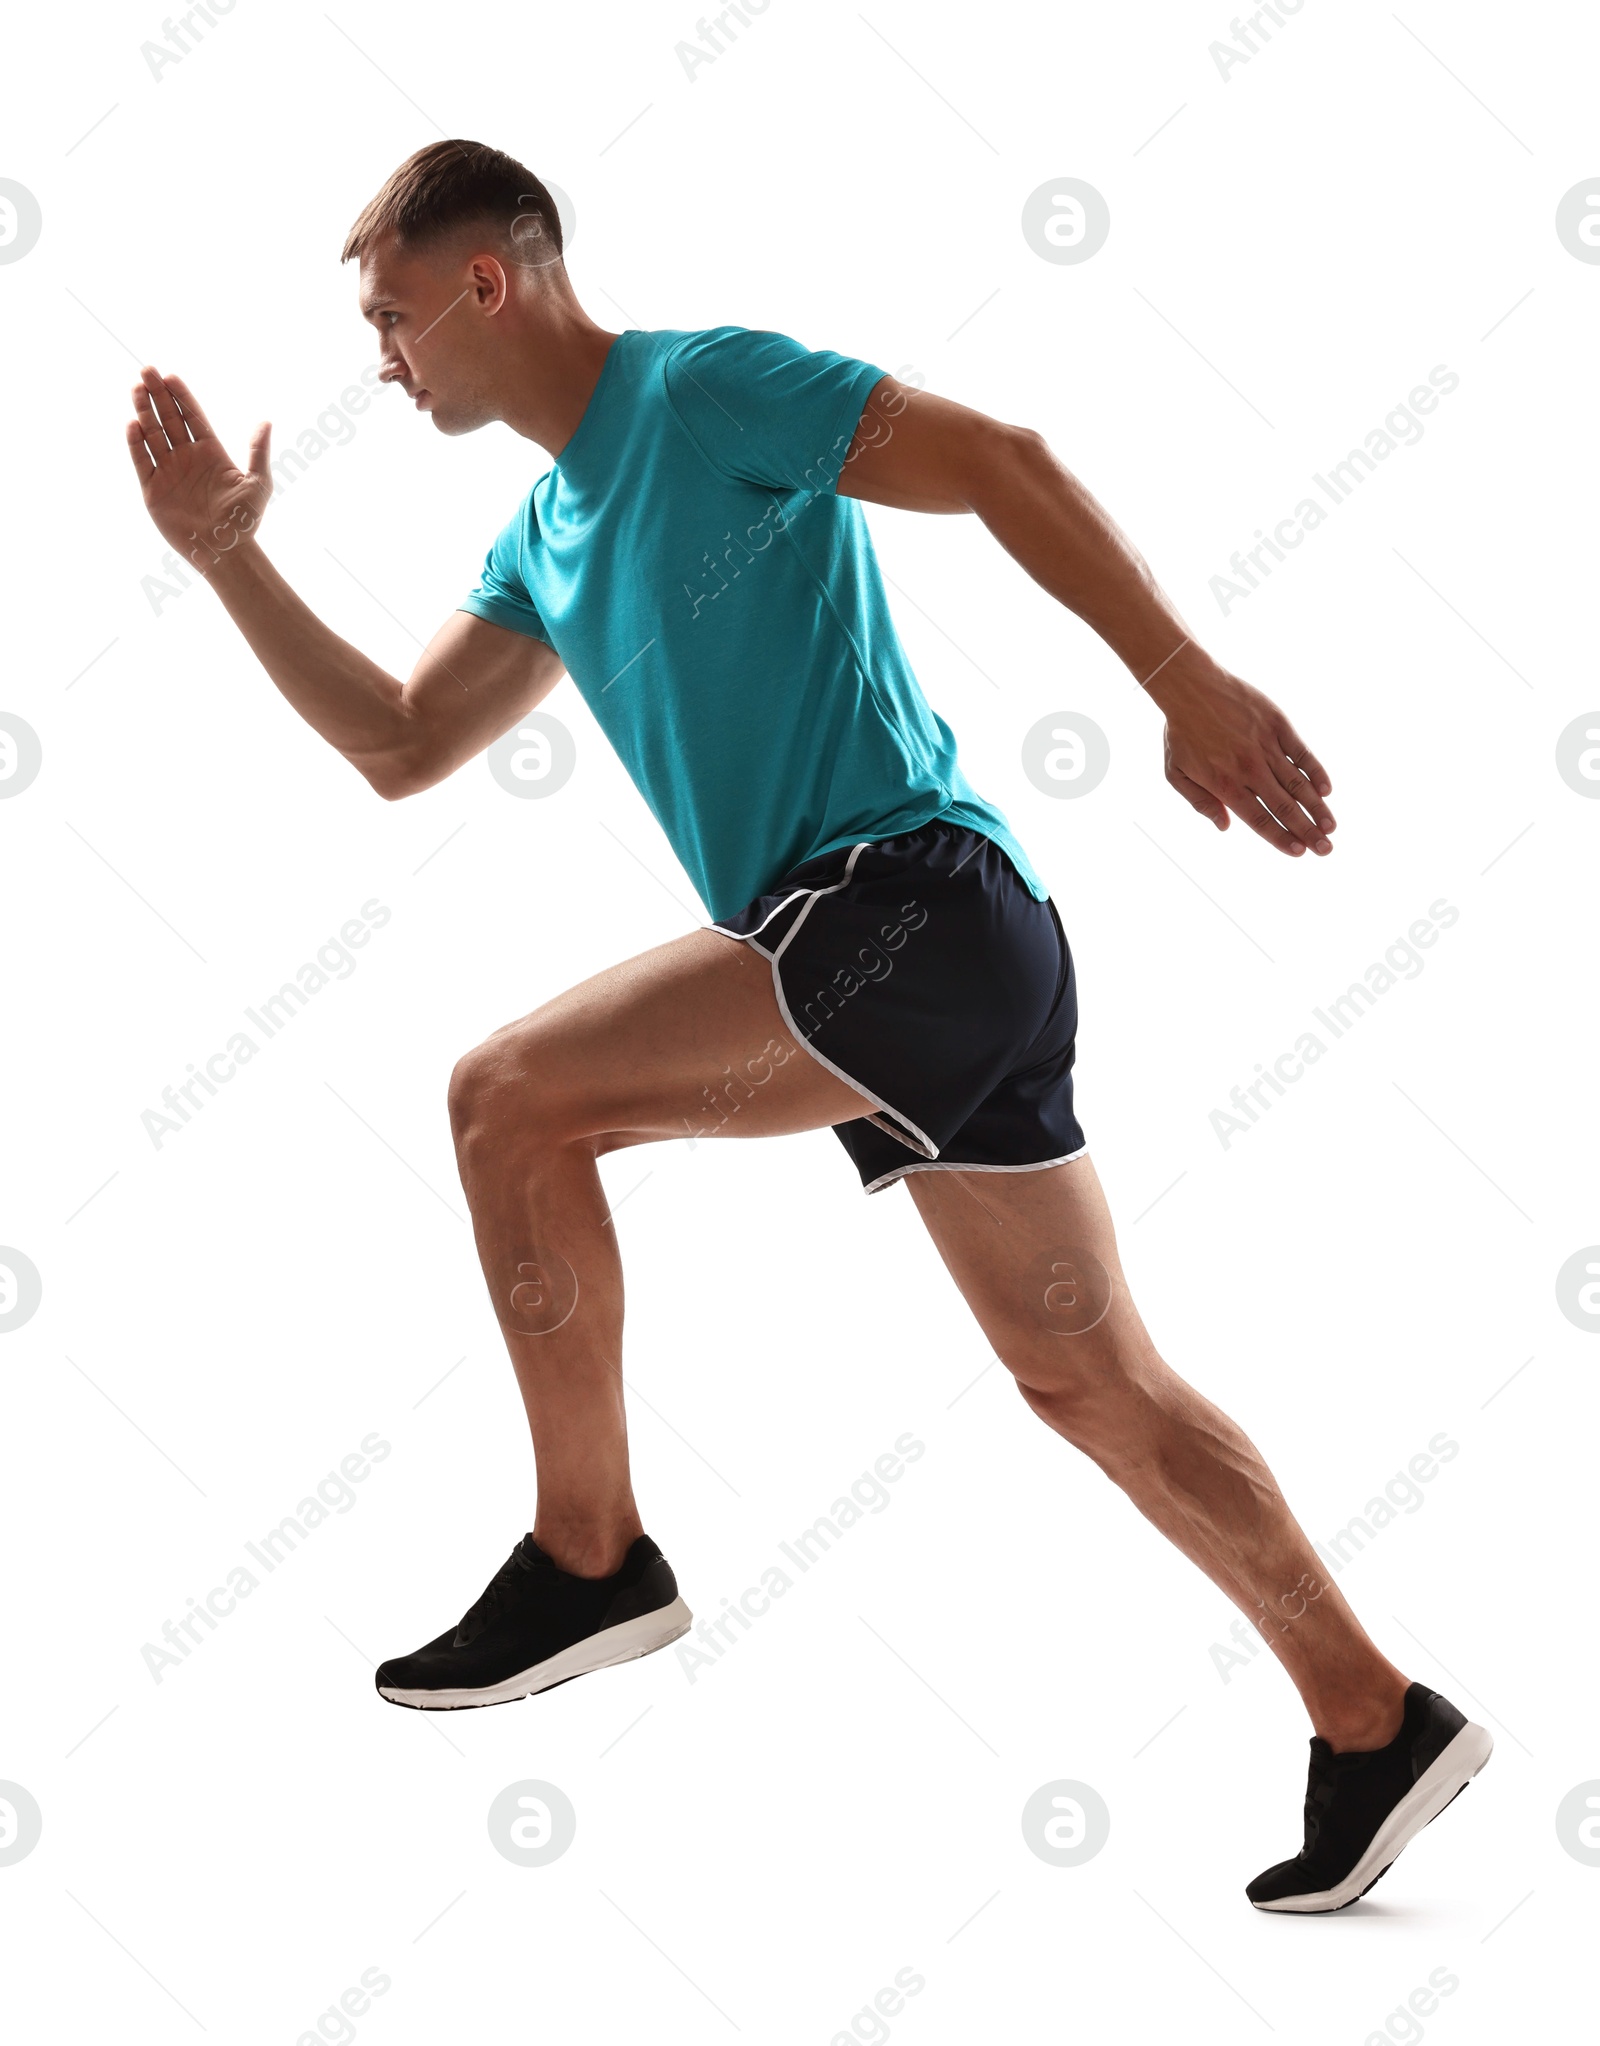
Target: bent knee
1074 1378
471 1079
510 1090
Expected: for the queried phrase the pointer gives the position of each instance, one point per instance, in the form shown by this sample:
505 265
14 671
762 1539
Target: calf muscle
1035 1255
632 1056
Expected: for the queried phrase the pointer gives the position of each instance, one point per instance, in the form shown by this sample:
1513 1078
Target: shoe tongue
530 1553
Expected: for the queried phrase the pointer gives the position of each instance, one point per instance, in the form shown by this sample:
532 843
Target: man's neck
564 359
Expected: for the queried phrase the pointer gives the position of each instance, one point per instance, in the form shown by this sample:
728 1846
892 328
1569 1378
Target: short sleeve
500 595
764 410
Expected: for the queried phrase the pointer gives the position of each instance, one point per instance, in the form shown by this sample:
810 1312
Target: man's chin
453 423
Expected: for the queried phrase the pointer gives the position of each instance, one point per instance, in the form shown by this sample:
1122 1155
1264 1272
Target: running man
881 958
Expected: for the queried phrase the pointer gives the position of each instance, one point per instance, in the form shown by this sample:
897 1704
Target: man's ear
488 283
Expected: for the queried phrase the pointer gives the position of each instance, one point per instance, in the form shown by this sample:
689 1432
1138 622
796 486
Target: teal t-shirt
721 610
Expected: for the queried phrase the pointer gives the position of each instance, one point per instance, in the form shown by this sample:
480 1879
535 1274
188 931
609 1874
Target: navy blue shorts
923 971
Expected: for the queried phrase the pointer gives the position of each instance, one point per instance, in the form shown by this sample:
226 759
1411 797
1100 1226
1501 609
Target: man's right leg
1064 1323
1035 1255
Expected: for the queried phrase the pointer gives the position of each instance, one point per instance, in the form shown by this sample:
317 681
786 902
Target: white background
761 1850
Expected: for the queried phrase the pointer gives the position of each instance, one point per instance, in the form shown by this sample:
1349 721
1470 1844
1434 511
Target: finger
261 452
167 409
142 460
1278 804
1199 798
1249 809
155 435
1300 755
198 423
1272 792
1297 786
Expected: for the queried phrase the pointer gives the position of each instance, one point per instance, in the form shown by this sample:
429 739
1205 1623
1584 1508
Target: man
697 560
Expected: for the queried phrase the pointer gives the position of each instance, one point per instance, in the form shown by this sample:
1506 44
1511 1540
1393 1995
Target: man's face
432 312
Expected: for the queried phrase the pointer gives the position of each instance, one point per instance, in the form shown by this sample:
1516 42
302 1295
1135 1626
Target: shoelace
488 1604
1320 1788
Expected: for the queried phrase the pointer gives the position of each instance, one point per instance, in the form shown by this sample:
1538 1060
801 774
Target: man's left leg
1035 1255
685 1040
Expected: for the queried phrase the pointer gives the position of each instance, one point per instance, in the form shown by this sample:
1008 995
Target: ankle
584 1549
1356 1724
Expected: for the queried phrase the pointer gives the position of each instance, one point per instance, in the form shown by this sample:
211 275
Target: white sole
622 1643
1423 1802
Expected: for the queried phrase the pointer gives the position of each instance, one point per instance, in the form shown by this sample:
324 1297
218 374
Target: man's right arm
470 684
474 679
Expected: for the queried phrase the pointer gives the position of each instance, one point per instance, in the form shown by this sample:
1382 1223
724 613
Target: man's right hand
471 683
201 504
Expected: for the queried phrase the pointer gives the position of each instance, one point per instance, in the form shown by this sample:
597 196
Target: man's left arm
1228 747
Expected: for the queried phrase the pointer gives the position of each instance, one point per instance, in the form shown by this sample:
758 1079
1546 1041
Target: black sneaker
1362 1808
537 1625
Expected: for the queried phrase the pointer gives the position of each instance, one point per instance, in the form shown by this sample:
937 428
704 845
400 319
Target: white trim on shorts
749 936
951 1165
924 1143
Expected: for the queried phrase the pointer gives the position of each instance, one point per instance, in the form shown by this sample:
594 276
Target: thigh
1035 1256
686 1040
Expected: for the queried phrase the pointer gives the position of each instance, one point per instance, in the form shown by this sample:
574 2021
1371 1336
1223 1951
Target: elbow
1025 444
392 775
403 759
1014 463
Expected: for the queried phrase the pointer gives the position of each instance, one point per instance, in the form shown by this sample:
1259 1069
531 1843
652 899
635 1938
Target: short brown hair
454 184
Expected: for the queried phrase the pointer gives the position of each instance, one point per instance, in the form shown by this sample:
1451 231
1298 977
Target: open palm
201 503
